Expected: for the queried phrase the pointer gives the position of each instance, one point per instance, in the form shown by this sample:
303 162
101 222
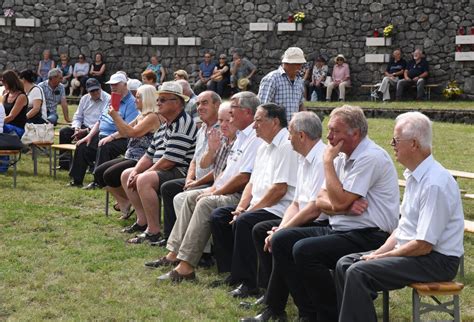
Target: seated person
133 85
191 106
66 69
415 74
181 74
341 78
79 73
15 103
2 114
101 145
88 112
428 242
207 106
36 112
394 72
220 77
206 68
149 77
241 68
168 157
156 67
139 133
266 196
97 69
191 231
45 65
318 76
54 94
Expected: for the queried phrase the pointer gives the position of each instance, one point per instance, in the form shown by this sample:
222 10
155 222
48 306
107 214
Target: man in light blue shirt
88 112
102 143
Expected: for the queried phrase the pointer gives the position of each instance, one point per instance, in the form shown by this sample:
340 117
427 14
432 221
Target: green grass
447 105
62 259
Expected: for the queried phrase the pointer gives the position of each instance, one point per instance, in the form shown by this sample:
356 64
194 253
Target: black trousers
108 173
233 244
302 260
85 156
169 190
65 134
259 234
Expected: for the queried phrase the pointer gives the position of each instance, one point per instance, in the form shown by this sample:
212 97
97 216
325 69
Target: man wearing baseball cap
87 114
104 143
167 158
284 86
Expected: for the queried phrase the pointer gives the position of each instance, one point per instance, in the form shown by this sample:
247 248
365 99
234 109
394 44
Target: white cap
117 78
133 84
293 55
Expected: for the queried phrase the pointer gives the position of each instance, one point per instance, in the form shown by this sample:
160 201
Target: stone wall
331 27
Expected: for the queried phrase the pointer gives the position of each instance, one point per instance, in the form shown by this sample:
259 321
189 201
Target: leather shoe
176 277
74 184
226 281
266 315
243 291
249 305
160 243
206 260
91 186
134 228
163 261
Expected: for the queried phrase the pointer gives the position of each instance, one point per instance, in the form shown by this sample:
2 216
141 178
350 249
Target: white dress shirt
89 111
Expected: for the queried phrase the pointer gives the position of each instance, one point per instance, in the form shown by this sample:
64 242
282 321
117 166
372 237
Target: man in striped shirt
168 157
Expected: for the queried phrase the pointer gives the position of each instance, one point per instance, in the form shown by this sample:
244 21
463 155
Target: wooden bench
61 147
371 88
38 148
14 156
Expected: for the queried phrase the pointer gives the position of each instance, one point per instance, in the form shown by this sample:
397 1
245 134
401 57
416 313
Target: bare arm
135 129
65 109
271 197
412 248
35 108
19 104
302 216
235 184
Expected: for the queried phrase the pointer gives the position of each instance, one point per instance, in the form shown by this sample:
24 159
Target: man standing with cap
103 143
87 114
284 86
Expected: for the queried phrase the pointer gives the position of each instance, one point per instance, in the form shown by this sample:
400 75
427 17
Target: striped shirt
175 142
277 88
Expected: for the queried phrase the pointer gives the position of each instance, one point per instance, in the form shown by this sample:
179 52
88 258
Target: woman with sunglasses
80 72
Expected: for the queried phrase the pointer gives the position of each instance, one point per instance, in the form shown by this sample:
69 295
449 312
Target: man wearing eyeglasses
428 242
87 114
206 67
168 157
54 94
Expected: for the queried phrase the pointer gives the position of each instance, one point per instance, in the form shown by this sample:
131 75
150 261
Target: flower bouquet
387 31
452 90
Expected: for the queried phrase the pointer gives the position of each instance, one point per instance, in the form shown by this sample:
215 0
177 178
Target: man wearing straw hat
284 86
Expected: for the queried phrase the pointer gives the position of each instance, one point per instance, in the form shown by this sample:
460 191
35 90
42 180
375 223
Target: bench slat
438 288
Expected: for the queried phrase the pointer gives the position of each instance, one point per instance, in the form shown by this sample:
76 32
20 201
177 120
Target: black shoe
206 261
134 228
163 261
160 243
62 168
226 281
244 291
74 184
249 305
267 315
91 186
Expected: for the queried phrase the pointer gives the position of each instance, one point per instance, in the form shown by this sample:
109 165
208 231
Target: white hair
415 125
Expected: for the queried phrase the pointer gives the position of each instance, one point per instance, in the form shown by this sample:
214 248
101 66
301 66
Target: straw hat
172 88
243 83
340 56
293 55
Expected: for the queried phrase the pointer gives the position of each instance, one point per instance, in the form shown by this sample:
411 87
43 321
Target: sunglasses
164 100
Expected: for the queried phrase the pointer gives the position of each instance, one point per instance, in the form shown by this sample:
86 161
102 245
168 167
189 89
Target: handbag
38 133
10 142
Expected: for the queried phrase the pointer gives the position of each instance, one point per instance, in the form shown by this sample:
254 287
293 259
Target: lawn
62 259
410 105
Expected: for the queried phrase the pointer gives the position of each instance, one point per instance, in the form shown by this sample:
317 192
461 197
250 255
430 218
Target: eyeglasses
164 100
396 141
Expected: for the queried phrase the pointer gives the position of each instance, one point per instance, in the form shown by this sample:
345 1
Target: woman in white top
2 114
36 112
80 72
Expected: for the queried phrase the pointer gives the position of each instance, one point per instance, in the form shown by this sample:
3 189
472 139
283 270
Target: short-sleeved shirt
201 147
241 158
320 73
127 110
369 172
53 96
207 69
156 69
396 66
416 69
89 111
191 106
81 69
244 69
277 88
310 177
36 93
2 117
431 209
175 142
275 163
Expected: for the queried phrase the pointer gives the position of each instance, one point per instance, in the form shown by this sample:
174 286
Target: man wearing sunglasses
87 114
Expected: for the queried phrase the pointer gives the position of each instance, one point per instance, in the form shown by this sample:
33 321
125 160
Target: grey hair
247 100
415 125
353 116
214 96
309 123
55 72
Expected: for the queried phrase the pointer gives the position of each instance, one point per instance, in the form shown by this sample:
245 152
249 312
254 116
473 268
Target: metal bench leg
55 162
386 307
35 159
107 203
14 170
457 314
416 306
50 163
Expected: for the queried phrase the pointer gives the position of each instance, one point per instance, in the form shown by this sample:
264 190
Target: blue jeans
53 118
8 128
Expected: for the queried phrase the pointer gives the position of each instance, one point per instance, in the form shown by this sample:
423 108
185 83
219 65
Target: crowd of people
252 182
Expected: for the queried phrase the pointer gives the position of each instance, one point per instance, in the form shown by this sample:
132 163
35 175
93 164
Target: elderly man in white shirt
191 232
267 195
361 196
428 242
